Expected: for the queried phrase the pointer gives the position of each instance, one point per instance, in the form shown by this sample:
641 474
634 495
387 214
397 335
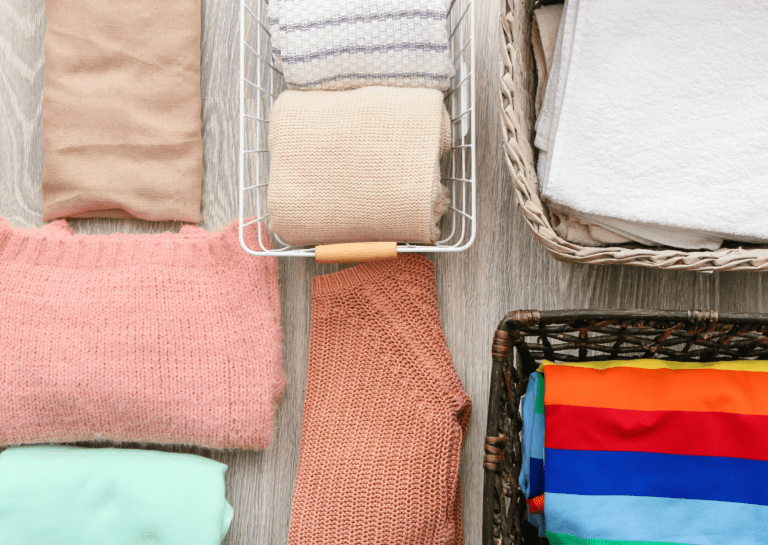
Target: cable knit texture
332 45
171 338
358 166
385 413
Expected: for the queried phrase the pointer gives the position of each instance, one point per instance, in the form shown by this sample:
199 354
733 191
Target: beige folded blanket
358 166
121 110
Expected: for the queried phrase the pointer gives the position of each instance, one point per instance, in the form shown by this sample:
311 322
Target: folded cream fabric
653 137
332 45
572 229
121 110
544 30
556 79
643 233
358 166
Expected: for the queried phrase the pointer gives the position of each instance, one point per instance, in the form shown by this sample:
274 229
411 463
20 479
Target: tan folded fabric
121 110
544 25
358 166
574 229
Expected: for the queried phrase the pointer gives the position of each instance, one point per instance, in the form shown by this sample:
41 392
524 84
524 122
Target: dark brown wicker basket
524 338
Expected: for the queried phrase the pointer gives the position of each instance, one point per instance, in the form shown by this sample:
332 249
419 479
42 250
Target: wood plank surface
505 270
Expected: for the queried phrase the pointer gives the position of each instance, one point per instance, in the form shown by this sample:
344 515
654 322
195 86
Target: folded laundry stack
653 121
355 145
121 110
55 495
544 32
358 166
332 45
648 451
171 338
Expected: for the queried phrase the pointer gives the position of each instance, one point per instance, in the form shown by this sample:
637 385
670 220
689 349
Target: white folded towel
655 120
546 124
335 45
544 31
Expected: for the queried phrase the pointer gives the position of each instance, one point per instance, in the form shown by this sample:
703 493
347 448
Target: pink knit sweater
171 338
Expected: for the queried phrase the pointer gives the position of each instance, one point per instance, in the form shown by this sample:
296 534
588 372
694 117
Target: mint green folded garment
55 495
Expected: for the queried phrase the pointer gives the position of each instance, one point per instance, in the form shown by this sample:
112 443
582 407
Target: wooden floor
505 270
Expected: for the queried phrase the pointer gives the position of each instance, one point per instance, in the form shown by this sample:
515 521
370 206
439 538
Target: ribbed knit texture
332 45
358 166
171 338
385 413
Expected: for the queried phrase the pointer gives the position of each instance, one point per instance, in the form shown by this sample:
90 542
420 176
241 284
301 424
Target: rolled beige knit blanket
358 166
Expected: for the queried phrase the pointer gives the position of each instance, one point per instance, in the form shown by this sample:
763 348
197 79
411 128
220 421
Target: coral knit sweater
171 338
385 413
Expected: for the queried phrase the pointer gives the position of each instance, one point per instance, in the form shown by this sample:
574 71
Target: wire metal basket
260 84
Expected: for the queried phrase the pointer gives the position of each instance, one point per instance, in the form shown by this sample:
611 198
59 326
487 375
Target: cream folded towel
575 225
662 121
358 166
545 29
573 229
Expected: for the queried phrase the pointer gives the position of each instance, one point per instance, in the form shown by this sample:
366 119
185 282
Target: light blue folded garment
532 471
56 495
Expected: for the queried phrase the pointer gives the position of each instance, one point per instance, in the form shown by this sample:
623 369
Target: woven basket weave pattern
517 92
524 338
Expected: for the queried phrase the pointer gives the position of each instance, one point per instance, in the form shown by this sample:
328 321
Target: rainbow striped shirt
655 452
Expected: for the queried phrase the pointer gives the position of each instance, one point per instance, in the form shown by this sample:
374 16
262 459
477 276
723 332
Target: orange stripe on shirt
536 505
697 390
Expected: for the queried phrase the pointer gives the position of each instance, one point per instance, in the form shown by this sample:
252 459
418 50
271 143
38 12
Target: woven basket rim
528 318
516 93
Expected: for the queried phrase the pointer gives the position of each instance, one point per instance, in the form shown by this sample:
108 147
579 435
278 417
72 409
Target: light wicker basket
517 93
260 84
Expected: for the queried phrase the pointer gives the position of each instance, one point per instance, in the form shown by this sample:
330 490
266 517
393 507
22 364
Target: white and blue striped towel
332 45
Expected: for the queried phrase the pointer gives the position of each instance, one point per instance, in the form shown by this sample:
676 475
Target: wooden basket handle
355 252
